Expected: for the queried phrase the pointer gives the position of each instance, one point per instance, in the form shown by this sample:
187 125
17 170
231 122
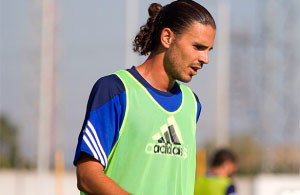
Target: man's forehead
197 28
200 33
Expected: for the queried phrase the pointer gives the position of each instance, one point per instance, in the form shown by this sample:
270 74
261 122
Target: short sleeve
231 190
104 116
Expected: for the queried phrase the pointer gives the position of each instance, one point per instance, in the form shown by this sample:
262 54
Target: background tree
9 149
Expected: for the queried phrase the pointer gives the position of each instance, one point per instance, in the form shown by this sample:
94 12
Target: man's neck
153 71
219 171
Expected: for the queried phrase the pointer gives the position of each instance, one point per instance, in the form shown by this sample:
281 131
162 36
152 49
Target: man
218 182
138 135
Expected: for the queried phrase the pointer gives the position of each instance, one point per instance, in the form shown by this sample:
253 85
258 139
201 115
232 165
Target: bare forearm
92 180
96 184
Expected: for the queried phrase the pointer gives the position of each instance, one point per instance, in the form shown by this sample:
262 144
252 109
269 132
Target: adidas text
166 149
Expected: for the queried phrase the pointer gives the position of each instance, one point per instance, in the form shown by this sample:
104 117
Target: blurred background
53 51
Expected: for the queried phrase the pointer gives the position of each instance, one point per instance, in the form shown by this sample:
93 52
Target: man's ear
166 37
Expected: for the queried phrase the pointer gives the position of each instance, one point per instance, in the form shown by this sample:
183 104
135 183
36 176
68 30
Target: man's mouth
195 68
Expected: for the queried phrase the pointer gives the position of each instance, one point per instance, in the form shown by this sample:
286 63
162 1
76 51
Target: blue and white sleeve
104 116
231 190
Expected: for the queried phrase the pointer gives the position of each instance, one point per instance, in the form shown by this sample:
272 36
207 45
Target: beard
176 71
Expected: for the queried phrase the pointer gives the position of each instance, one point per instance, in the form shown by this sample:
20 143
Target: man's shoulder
106 89
231 190
110 83
195 95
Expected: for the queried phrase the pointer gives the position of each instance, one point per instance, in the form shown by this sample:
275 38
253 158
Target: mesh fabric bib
156 150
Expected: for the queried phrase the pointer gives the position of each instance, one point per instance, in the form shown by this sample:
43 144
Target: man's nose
203 58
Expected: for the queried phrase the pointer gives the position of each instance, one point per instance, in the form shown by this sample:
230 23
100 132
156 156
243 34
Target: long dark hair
177 16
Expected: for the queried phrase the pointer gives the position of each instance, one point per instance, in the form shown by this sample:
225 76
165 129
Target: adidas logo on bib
168 141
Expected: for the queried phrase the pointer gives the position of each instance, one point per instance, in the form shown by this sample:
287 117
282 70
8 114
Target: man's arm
231 190
92 180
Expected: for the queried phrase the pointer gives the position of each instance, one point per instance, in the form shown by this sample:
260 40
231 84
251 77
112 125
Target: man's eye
199 47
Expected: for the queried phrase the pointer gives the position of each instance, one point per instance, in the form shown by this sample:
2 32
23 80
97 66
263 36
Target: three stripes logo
168 141
92 140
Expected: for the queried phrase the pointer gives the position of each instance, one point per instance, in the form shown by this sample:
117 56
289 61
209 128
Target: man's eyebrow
201 45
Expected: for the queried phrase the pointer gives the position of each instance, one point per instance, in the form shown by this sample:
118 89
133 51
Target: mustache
197 65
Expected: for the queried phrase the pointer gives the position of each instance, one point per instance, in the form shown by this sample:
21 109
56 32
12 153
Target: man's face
189 51
230 168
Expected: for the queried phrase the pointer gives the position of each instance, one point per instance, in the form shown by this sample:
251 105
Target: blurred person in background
218 180
138 135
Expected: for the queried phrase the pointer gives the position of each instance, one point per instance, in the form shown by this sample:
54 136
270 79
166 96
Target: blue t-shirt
105 113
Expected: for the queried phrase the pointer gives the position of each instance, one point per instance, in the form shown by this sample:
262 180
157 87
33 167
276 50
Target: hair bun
154 9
